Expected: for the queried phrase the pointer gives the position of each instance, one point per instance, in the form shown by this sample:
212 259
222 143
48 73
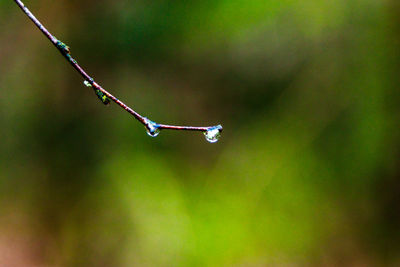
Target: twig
211 132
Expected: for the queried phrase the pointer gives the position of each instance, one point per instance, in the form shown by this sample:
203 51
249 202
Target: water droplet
213 133
152 128
87 83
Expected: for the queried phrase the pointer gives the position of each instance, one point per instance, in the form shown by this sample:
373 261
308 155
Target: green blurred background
306 172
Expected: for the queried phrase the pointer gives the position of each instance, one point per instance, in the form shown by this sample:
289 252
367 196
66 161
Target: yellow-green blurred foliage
306 172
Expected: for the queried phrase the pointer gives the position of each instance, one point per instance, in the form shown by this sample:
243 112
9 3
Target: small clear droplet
87 83
213 133
152 128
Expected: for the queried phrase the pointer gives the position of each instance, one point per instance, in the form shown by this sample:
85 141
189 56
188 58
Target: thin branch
212 132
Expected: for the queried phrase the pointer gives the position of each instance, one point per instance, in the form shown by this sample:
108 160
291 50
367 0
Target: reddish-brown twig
212 132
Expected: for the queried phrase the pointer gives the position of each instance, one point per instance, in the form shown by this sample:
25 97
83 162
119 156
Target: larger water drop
213 133
152 128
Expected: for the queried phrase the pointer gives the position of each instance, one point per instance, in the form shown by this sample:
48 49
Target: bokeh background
306 172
